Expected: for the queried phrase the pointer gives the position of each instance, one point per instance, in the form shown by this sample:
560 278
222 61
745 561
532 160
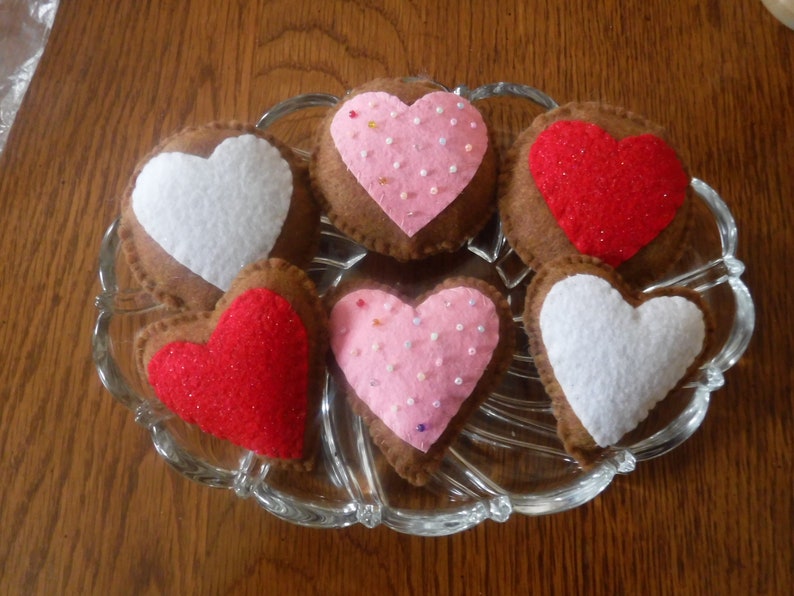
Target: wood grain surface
88 507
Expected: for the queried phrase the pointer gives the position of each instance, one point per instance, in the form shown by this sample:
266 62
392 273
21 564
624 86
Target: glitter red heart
248 384
610 197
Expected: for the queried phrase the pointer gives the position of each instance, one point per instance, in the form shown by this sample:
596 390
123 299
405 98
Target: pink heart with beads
412 160
414 367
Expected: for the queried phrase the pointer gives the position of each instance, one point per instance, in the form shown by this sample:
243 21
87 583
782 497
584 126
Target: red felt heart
248 384
610 197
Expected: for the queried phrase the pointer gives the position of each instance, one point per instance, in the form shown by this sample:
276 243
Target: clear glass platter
508 458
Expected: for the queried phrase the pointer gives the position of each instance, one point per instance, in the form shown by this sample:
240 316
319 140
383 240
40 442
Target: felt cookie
208 201
251 370
607 354
405 169
416 370
592 179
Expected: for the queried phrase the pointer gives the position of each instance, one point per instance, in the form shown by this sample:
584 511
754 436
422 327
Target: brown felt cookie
405 169
415 370
250 371
607 354
208 201
593 179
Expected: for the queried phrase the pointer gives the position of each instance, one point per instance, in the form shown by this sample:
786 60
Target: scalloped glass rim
462 479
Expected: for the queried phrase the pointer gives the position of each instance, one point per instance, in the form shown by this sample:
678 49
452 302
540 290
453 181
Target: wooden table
87 506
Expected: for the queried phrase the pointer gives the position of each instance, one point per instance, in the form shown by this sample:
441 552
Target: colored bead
468 147
442 141
421 427
355 352
460 105
472 302
481 329
372 124
374 382
376 322
352 113
360 303
383 181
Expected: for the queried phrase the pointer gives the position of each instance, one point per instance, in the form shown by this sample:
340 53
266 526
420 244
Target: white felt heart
615 361
215 215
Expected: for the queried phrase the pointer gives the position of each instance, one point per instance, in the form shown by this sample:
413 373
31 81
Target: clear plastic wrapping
24 28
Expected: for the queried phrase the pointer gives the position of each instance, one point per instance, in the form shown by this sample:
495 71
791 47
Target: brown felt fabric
576 440
351 209
528 223
286 280
171 282
410 463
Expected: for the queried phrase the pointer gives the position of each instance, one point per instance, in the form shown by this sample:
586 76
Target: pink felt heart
248 384
610 197
414 367
412 160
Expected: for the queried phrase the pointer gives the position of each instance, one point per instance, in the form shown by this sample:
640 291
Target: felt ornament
412 160
610 197
416 370
247 372
606 354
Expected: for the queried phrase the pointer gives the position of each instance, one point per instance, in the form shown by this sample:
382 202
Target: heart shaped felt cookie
600 181
415 372
249 371
412 160
405 168
610 197
208 202
608 355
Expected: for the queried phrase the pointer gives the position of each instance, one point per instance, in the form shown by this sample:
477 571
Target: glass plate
508 458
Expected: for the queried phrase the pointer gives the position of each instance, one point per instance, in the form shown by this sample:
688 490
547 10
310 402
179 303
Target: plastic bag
24 28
